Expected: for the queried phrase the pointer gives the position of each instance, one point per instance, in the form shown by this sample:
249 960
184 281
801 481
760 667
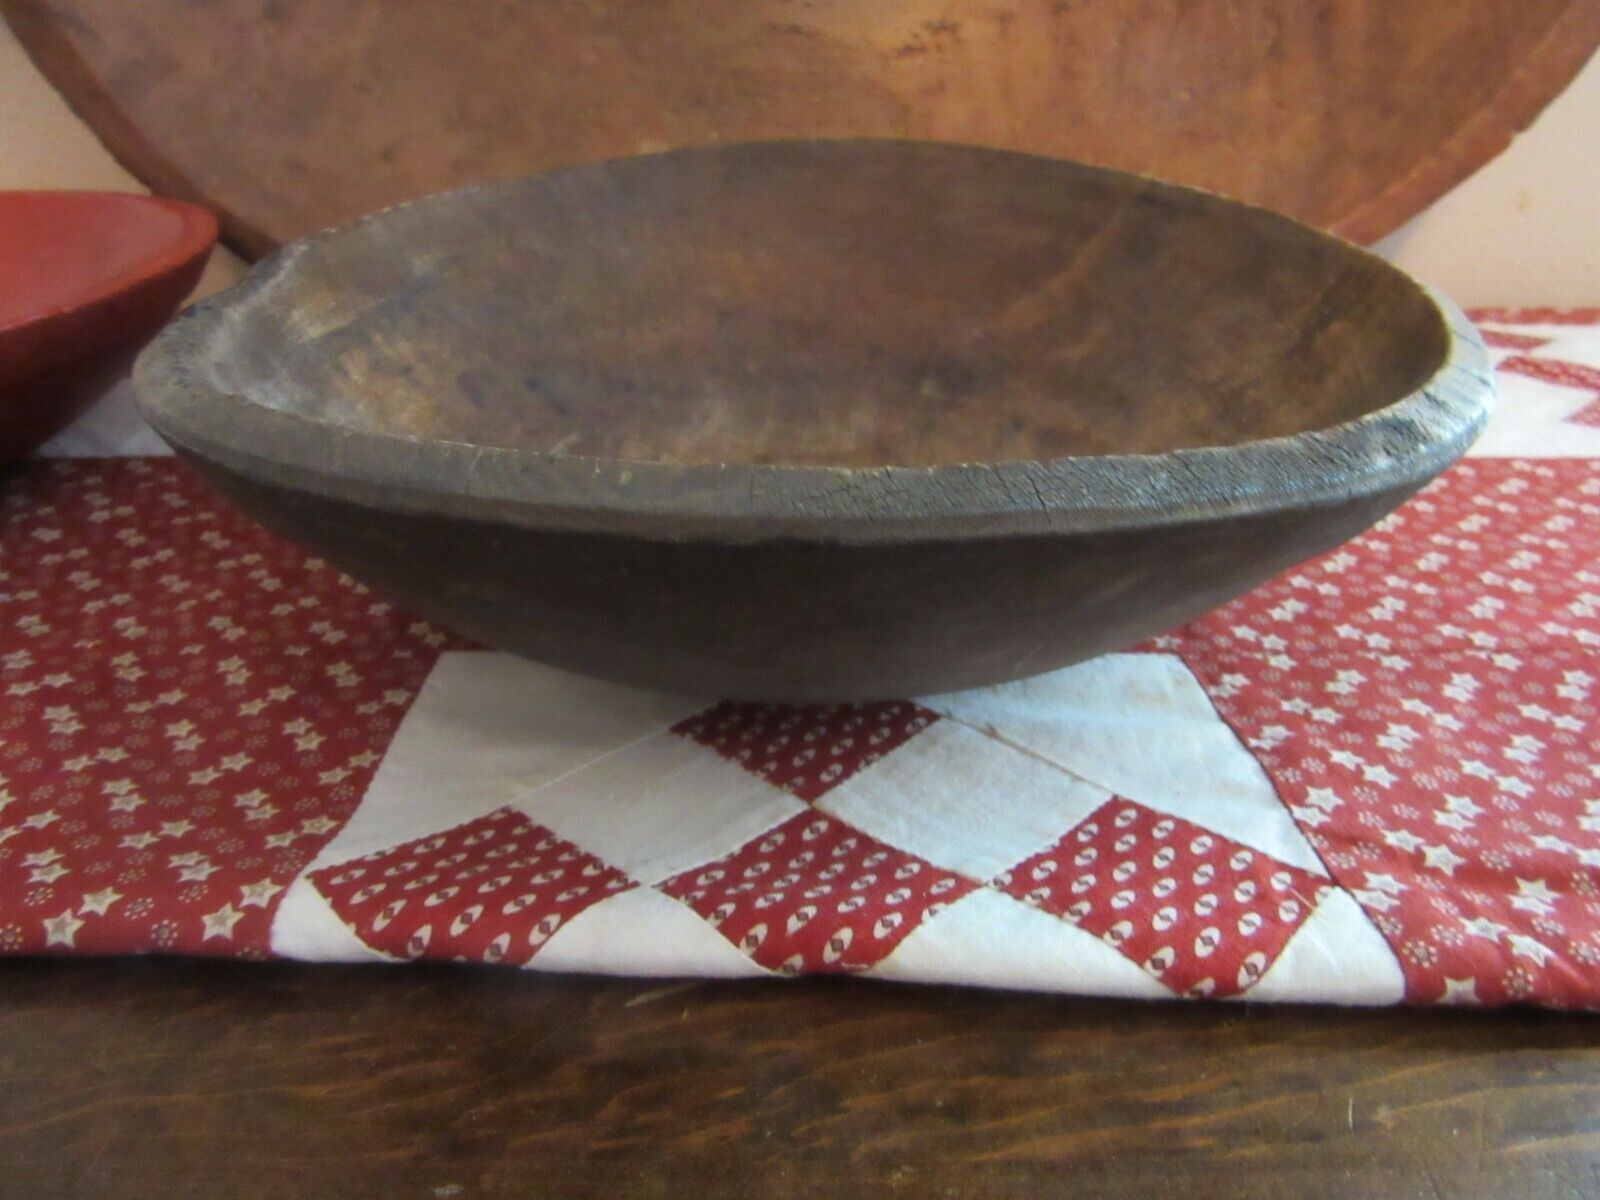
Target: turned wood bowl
818 421
86 279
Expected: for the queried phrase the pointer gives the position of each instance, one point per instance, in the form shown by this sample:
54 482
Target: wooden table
168 1079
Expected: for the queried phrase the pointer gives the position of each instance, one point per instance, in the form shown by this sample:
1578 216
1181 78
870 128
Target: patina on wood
849 304
289 115
192 1081
819 420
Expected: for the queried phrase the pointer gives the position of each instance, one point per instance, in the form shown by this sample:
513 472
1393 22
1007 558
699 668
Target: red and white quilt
1373 780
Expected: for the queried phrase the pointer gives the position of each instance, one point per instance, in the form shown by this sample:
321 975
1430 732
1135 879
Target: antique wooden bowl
819 420
86 278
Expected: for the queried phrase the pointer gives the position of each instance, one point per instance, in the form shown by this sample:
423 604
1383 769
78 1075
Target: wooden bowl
86 279
819 420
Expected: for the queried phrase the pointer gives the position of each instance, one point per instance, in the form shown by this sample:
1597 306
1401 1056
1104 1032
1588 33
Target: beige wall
1524 230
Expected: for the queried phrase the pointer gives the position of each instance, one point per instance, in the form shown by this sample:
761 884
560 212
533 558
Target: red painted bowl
86 278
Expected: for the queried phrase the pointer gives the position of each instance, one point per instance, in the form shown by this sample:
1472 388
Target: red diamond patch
806 749
814 894
492 890
1202 913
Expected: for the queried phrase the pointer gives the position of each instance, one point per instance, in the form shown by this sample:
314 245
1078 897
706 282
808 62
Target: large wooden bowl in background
290 115
819 420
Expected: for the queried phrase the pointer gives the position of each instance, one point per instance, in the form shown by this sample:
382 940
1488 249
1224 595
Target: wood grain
845 304
289 115
148 1079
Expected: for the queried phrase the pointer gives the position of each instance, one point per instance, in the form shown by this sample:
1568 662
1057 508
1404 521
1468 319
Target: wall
1524 230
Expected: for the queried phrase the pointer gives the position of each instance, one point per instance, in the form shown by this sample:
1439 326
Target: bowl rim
194 238
1398 446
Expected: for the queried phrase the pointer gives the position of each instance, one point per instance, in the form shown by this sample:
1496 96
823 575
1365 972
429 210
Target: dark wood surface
141 1080
288 115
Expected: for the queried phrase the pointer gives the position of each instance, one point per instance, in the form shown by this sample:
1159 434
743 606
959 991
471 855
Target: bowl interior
850 304
59 250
